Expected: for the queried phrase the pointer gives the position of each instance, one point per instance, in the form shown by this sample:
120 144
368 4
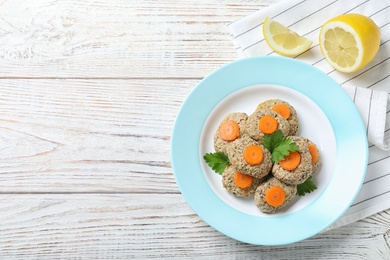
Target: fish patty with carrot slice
284 109
249 156
229 129
264 122
296 167
273 194
237 183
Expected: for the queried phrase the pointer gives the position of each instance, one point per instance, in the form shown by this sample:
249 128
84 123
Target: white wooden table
89 91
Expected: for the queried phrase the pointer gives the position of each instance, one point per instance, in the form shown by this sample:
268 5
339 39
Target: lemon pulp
283 40
349 42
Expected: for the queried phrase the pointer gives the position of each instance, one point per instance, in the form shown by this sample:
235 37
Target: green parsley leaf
217 161
306 187
273 140
283 149
279 146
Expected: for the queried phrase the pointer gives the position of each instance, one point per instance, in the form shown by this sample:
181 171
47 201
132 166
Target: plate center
313 124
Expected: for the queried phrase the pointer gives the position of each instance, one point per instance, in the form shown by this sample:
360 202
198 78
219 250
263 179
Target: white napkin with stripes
368 87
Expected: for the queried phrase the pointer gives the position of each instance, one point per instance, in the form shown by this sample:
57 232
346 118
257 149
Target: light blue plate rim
351 150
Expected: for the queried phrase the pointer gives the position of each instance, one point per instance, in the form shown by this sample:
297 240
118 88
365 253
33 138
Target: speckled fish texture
253 123
303 171
292 119
235 152
261 191
240 119
232 188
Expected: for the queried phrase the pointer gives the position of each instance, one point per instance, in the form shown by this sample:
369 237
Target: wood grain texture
89 91
98 226
117 38
57 135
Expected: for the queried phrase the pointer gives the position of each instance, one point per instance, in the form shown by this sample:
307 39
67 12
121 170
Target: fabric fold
372 105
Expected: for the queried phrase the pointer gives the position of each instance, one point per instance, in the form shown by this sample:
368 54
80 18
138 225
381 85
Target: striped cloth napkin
368 87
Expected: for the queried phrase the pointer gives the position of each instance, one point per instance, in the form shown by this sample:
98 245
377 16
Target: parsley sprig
279 146
306 187
217 161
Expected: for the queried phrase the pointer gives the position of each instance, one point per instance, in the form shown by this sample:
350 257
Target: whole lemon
349 41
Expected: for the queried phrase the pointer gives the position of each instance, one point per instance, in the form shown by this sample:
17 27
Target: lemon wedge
283 40
349 41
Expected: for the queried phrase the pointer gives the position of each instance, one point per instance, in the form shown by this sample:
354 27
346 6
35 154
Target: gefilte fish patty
240 119
292 117
235 152
253 128
232 188
304 169
261 191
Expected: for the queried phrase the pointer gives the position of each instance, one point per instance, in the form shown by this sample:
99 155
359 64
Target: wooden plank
94 152
117 38
155 226
88 135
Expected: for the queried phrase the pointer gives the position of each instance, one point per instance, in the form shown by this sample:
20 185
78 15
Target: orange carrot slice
282 110
242 180
268 125
253 154
229 130
275 196
314 153
291 161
